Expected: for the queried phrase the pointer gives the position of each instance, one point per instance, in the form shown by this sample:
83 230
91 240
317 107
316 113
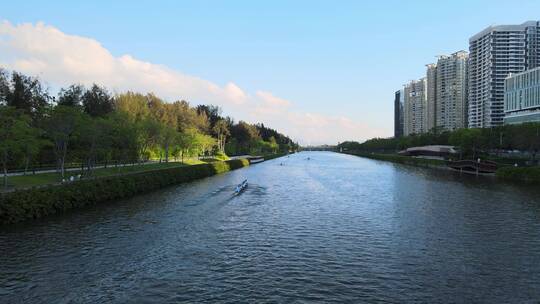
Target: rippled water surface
335 228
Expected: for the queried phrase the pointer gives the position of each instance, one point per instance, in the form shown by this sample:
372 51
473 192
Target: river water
335 228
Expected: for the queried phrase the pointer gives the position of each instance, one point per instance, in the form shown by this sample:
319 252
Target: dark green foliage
89 126
285 144
34 203
71 96
97 101
526 174
213 113
472 142
244 138
272 156
406 160
25 94
397 144
17 137
4 87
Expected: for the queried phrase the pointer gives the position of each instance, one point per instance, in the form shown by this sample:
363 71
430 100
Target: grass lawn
31 180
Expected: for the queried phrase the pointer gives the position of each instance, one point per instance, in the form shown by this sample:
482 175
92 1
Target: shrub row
37 202
525 174
407 160
272 156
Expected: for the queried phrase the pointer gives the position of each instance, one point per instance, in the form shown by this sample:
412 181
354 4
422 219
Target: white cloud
272 100
63 59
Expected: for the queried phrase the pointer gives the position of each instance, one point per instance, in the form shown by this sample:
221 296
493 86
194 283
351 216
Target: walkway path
30 172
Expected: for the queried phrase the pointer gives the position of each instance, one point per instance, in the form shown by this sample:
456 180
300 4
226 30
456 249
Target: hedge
272 156
407 160
525 174
38 202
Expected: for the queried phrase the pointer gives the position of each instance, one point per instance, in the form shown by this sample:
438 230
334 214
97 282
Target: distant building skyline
415 104
438 100
451 88
468 89
431 103
494 53
398 113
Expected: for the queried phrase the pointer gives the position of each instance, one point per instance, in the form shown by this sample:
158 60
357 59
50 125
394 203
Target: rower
241 187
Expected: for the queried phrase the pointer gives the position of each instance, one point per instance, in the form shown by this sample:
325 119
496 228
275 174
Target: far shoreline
527 175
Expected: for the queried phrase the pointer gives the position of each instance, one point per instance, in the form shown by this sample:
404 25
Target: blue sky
333 58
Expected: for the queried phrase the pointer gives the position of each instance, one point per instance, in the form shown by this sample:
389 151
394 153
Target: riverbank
33 203
406 160
272 156
20 182
523 174
508 173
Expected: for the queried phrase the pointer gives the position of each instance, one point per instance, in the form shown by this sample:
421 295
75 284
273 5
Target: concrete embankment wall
33 203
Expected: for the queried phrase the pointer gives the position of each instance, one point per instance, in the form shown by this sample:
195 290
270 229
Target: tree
32 142
135 105
221 129
187 117
148 135
213 113
62 128
469 140
525 137
247 135
203 143
273 144
97 101
185 141
168 136
90 125
124 137
71 96
16 131
27 94
164 114
4 87
94 137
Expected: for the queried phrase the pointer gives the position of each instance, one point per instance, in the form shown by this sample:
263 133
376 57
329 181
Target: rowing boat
241 187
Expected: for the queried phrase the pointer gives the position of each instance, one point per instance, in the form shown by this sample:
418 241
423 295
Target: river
334 228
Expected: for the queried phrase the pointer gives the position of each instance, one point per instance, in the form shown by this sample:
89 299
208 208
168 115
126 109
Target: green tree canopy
71 96
15 134
97 101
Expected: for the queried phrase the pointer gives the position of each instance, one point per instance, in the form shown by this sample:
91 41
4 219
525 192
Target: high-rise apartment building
398 114
496 52
522 97
415 107
451 91
431 95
